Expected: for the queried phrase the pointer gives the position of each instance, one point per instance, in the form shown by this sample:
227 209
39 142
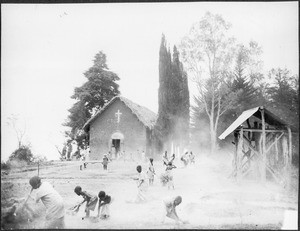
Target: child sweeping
151 172
52 200
170 209
104 203
90 200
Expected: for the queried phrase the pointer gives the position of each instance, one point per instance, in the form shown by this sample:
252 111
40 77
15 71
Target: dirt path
210 199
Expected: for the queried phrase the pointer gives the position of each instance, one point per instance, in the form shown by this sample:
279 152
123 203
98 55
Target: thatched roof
143 114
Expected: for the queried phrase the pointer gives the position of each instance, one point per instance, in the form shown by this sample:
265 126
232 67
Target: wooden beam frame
264 159
274 142
260 130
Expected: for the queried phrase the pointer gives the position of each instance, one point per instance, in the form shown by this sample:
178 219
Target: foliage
283 94
207 53
99 88
5 165
23 153
180 100
241 82
163 124
173 96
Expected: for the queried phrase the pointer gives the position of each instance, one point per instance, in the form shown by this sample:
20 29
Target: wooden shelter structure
263 146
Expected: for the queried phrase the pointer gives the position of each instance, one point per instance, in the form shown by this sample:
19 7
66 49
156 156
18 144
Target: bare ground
210 199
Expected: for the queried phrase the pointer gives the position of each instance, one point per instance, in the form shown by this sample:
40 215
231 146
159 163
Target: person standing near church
142 185
105 162
151 172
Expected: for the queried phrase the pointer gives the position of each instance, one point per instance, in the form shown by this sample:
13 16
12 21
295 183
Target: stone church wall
106 124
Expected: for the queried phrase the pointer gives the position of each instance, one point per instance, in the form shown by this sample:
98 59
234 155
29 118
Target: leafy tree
100 87
283 94
163 125
207 54
173 112
242 83
23 153
180 101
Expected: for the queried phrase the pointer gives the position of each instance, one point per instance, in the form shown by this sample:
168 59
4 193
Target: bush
164 178
22 154
5 166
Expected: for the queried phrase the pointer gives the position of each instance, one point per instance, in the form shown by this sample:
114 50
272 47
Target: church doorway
115 147
116 144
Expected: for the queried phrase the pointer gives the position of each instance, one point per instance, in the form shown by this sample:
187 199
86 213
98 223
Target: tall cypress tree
173 99
163 124
181 102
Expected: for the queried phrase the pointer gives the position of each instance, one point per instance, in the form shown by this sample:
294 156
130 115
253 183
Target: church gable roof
146 116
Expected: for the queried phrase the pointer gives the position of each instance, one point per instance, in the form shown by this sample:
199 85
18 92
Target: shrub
5 165
23 153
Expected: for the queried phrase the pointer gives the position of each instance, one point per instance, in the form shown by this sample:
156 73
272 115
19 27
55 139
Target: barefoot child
151 172
169 175
90 200
141 185
170 209
104 202
105 162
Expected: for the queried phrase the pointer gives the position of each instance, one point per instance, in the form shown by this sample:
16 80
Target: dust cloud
210 198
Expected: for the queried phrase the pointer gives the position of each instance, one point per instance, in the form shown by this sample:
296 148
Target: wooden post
38 168
234 164
276 152
289 160
264 159
239 155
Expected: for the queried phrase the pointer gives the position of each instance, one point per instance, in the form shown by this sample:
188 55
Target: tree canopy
173 98
23 153
207 52
100 87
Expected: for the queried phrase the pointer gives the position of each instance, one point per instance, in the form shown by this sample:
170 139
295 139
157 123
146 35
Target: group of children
54 202
91 202
188 158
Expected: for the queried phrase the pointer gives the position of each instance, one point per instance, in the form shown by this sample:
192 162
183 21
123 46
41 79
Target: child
53 202
184 159
192 158
104 202
151 172
169 174
172 158
141 185
165 158
90 200
105 162
170 209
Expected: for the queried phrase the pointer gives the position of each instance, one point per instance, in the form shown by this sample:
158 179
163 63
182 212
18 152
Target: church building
121 126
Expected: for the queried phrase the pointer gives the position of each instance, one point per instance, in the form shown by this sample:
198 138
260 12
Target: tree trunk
212 138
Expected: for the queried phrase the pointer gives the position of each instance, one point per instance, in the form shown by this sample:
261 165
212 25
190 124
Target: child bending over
170 209
103 207
90 200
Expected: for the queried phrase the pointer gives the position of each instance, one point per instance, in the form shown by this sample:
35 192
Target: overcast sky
46 48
